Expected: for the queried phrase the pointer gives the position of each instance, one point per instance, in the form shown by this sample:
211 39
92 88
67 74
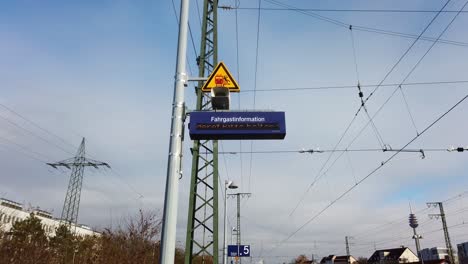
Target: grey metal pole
347 246
225 261
174 166
238 227
418 245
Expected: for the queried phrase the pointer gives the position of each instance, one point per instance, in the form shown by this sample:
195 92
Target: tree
63 245
26 243
134 243
301 259
362 260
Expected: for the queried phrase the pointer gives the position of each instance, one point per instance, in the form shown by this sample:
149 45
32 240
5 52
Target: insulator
413 221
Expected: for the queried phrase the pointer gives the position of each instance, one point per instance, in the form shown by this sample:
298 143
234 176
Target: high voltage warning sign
221 77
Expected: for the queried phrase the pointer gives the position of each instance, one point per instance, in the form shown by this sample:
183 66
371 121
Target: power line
405 219
37 125
363 28
35 135
373 171
47 141
334 87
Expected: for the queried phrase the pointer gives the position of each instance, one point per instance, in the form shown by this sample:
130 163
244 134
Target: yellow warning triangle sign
221 77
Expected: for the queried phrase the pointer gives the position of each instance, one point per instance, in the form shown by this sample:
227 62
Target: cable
37 125
36 135
312 151
338 10
404 55
318 176
376 131
405 219
256 52
191 36
25 153
239 96
354 53
419 61
366 29
198 12
255 83
354 86
372 172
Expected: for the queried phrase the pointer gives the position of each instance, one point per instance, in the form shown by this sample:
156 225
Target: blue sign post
237 125
241 251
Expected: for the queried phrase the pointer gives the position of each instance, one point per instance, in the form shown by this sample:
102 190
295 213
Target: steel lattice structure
71 205
202 224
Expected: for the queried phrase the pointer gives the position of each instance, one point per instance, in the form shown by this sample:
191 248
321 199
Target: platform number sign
242 251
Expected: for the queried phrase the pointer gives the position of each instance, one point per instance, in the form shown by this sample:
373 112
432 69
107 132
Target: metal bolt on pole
174 166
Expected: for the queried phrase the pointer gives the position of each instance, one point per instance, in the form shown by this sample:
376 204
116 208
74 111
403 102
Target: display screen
237 125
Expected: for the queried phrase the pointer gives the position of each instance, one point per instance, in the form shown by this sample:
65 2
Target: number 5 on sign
246 251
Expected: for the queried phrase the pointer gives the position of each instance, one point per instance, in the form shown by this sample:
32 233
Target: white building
11 212
463 253
434 253
393 256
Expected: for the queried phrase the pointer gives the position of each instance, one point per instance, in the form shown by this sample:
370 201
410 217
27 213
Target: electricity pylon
77 164
448 244
202 223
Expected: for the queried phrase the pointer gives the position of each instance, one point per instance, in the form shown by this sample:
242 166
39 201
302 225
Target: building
328 260
345 260
393 256
11 212
463 253
434 253
332 259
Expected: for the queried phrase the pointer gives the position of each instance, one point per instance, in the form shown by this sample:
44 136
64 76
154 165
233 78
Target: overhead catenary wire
360 93
224 7
404 55
372 172
255 83
241 160
319 173
335 87
420 60
363 28
318 150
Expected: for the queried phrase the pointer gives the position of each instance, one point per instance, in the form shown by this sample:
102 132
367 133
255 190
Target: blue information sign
241 251
237 125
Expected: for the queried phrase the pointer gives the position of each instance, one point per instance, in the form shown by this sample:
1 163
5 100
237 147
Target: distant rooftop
11 204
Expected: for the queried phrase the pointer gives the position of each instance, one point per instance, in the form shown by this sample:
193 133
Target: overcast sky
104 70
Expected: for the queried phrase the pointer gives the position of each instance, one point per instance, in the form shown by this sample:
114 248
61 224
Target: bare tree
301 259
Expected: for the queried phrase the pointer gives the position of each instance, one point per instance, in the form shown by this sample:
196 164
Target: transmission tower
448 244
202 224
77 164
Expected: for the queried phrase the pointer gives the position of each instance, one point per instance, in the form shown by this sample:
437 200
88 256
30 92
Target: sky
104 70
